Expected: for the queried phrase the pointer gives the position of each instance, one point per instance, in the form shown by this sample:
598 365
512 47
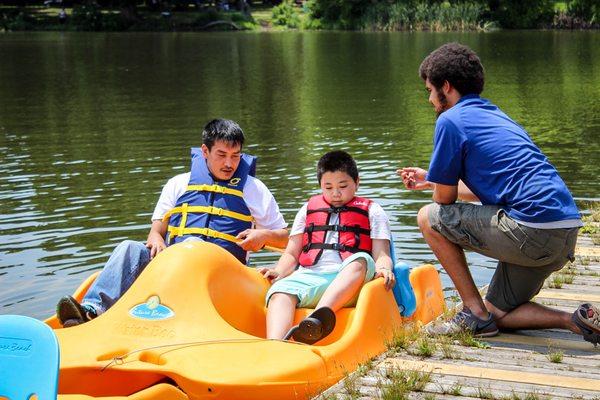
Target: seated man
528 220
339 241
219 201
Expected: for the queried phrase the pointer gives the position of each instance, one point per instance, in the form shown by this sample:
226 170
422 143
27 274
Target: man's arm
256 239
414 179
446 194
156 237
287 262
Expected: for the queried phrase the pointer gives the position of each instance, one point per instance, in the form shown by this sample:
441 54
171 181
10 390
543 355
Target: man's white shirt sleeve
258 198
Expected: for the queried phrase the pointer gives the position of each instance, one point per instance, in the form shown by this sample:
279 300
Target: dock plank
514 365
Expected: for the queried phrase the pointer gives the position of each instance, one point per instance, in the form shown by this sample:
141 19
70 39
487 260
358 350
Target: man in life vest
338 242
218 201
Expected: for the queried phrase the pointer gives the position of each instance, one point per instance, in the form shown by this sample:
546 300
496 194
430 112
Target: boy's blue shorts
309 286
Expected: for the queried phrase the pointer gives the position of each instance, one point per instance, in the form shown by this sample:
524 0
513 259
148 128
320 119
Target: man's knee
131 246
423 218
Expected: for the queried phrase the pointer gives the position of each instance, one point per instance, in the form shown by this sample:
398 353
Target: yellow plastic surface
213 345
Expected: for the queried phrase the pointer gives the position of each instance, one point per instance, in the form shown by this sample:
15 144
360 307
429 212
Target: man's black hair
222 129
457 64
337 160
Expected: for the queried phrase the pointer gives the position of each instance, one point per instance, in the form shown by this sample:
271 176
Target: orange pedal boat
193 327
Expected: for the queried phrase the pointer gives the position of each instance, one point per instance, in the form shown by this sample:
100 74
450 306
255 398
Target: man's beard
443 104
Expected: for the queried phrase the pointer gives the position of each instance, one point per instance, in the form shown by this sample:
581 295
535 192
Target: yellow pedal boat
193 327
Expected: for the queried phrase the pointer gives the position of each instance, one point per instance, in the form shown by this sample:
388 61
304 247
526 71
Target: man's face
338 188
437 98
222 159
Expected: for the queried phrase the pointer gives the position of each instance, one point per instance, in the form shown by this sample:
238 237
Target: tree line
387 15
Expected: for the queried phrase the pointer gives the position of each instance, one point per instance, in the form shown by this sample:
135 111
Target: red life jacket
354 230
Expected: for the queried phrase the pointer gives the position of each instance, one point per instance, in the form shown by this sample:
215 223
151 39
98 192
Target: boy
338 240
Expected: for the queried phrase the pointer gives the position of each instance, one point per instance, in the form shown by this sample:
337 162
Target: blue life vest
213 210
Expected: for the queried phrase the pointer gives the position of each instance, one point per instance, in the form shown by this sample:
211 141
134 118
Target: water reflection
92 126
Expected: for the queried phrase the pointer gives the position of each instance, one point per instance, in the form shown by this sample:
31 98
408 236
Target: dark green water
92 126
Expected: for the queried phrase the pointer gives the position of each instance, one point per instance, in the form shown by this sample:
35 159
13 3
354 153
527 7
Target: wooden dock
544 364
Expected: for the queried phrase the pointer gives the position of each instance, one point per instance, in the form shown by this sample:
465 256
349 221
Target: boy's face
338 188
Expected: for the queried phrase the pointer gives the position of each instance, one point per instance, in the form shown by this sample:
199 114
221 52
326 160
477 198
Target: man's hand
252 239
269 273
156 244
390 278
414 178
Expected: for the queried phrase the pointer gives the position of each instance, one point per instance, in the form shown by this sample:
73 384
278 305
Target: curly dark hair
337 160
457 64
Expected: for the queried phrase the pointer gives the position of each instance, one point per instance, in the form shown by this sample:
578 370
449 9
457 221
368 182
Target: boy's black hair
457 64
222 129
337 160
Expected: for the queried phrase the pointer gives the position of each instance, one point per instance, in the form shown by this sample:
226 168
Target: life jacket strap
337 210
331 246
176 231
337 228
216 189
208 210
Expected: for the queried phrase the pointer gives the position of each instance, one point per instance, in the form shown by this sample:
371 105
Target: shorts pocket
533 243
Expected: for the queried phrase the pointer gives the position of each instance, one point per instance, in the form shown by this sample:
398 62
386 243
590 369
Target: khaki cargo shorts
526 256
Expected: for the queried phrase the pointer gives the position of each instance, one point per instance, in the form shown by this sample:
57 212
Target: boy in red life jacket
338 242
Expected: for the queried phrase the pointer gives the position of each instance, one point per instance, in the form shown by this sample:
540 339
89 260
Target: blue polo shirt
477 143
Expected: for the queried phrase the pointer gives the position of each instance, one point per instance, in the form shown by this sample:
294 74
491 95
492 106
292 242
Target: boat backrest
29 359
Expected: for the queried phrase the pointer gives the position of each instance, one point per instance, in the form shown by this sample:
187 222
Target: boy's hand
269 273
414 178
388 276
252 239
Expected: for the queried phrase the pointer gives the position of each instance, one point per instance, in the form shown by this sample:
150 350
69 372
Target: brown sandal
587 318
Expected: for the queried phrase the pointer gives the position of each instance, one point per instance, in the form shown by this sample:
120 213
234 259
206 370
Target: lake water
93 124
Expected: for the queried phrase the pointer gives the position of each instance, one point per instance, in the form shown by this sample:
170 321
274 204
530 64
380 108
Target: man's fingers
243 234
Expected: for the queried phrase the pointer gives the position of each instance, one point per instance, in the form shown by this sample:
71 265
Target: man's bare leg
452 258
532 316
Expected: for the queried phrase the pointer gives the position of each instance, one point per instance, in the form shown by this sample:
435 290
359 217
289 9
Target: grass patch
466 338
403 338
447 349
555 356
556 282
400 383
425 347
455 390
485 393
351 389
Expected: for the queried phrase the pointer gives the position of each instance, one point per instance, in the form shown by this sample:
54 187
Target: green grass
400 383
425 347
403 338
456 389
555 356
556 282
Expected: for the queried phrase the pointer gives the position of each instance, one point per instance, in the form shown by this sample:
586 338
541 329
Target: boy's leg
356 270
125 264
280 314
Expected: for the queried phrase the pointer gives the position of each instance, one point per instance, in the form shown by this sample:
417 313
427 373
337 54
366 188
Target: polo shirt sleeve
445 166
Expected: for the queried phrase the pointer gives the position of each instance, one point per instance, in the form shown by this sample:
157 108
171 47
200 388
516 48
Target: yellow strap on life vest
207 210
176 231
215 189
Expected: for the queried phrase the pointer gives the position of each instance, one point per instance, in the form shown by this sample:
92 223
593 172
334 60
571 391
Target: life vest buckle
216 211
